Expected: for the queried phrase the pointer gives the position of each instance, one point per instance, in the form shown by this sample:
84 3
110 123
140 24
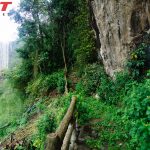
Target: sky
8 28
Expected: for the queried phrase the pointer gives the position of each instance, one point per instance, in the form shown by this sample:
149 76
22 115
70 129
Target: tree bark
63 45
54 141
66 120
35 71
67 138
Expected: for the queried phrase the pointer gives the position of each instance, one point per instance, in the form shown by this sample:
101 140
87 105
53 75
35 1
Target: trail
21 134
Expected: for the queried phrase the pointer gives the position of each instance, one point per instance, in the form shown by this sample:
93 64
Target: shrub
46 124
59 107
105 120
138 113
113 91
88 108
94 80
20 75
91 79
11 107
136 63
46 83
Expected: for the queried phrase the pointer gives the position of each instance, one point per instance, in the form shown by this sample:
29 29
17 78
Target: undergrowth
11 108
108 123
119 108
52 114
44 84
122 107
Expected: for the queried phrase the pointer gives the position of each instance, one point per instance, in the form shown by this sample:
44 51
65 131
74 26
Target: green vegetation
106 121
52 112
11 108
137 62
58 52
45 83
46 125
137 112
123 112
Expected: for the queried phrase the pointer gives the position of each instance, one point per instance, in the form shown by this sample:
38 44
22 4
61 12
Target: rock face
119 22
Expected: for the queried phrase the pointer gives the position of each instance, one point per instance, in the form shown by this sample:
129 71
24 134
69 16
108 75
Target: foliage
128 121
59 107
87 109
138 113
106 120
113 91
136 64
46 83
81 37
11 107
91 79
46 125
20 75
53 115
46 29
94 80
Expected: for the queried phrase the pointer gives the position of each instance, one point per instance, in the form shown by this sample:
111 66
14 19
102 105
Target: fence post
66 142
54 141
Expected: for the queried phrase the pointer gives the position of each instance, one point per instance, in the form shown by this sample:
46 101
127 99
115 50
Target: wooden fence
60 140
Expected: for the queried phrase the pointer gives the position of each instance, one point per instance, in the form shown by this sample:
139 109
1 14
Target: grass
11 107
108 123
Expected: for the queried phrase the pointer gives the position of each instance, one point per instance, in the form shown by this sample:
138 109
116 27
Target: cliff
120 23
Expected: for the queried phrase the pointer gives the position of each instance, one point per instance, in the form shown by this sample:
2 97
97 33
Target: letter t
5 5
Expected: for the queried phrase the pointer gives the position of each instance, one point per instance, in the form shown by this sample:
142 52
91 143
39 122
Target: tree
53 35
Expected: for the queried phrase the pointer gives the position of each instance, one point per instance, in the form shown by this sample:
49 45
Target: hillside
80 77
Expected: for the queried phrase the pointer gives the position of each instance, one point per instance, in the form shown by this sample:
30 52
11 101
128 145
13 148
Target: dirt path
21 134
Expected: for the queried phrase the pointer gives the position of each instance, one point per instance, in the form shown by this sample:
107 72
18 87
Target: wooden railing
60 140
